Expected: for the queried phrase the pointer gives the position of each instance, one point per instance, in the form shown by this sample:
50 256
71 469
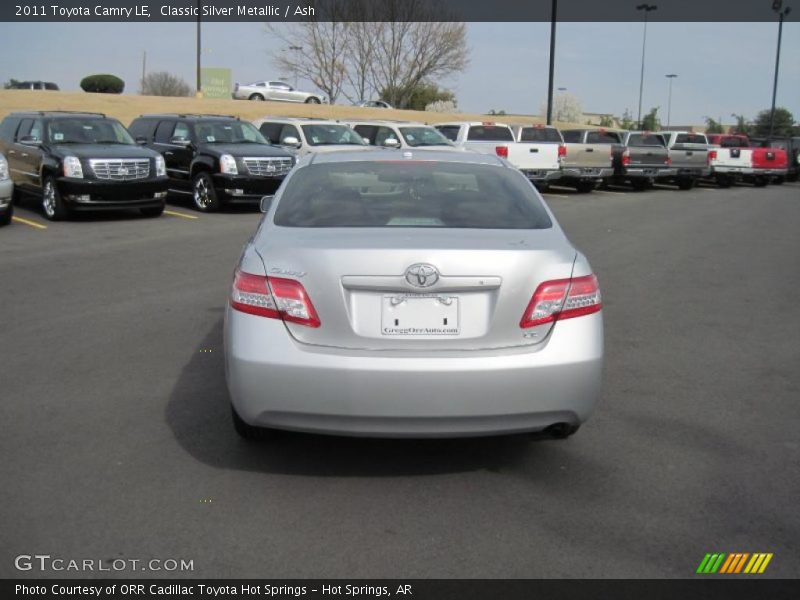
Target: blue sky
722 68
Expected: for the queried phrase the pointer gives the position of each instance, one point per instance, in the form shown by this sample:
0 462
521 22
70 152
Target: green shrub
102 84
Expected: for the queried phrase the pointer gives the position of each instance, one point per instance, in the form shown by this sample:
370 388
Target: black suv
81 161
216 159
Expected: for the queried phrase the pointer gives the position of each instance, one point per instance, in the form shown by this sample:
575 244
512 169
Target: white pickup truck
539 161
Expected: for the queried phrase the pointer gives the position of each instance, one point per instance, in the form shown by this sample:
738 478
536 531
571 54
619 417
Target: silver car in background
275 91
411 294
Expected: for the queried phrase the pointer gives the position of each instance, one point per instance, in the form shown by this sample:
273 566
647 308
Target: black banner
710 588
390 10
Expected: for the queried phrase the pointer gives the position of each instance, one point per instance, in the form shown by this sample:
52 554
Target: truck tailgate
588 155
684 156
532 156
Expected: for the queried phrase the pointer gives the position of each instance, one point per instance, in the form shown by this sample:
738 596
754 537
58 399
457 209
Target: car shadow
199 416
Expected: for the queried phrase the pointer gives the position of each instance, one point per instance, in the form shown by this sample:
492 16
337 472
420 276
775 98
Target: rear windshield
449 131
410 194
690 138
644 139
539 134
489 133
602 137
733 142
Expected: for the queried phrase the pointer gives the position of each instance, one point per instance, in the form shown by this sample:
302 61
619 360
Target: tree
784 122
102 84
419 96
498 113
162 83
442 106
651 122
606 121
566 108
627 121
742 125
713 126
11 84
355 47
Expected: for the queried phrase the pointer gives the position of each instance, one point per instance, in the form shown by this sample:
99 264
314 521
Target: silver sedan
418 294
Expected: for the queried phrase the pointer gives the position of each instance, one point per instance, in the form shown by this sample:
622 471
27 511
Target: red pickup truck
733 158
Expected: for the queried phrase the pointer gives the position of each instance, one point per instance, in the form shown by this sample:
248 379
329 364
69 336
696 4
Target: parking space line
33 224
555 195
180 214
609 192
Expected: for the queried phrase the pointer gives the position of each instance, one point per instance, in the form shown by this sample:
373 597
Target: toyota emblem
422 275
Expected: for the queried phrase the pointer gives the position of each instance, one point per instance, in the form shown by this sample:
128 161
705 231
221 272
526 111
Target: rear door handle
24 154
168 153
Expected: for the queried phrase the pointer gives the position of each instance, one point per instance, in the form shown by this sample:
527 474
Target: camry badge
422 275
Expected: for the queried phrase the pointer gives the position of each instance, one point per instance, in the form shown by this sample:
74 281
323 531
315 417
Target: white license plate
420 314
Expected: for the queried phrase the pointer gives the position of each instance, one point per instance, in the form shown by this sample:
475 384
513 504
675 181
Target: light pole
553 12
297 50
646 8
671 76
777 6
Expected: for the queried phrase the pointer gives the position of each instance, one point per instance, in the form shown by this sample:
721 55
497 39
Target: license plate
590 171
649 171
420 314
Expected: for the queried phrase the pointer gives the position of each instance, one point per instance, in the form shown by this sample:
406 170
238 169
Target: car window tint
539 134
367 131
572 136
690 138
449 131
423 136
271 131
643 139
383 134
391 194
602 137
24 128
164 131
288 131
489 133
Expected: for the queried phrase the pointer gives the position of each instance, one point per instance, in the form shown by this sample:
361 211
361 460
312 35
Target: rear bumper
243 188
542 174
723 170
276 382
93 194
692 172
586 173
647 172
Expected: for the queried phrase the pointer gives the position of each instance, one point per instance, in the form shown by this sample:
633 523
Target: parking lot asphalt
117 441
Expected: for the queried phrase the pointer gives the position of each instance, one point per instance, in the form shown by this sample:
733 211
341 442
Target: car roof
57 113
300 120
386 122
398 156
473 123
186 116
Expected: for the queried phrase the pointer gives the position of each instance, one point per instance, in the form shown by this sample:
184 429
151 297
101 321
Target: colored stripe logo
734 563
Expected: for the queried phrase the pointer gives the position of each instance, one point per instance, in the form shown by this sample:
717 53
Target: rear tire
52 203
256 97
584 187
152 211
313 100
760 181
247 431
724 182
5 218
204 195
779 180
686 184
560 431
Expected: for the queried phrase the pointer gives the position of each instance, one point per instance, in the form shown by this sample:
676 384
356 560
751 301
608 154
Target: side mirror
290 140
266 202
29 140
141 140
391 142
179 140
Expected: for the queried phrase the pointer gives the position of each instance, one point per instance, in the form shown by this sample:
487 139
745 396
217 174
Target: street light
671 76
777 6
297 49
553 12
646 8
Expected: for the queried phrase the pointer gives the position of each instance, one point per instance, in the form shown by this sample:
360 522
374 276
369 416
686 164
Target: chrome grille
268 167
120 169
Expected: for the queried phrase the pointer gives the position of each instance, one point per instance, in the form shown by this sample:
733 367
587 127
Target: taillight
712 155
626 158
562 150
668 162
561 299
274 298
502 151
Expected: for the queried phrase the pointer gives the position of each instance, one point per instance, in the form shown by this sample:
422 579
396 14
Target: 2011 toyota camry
418 294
